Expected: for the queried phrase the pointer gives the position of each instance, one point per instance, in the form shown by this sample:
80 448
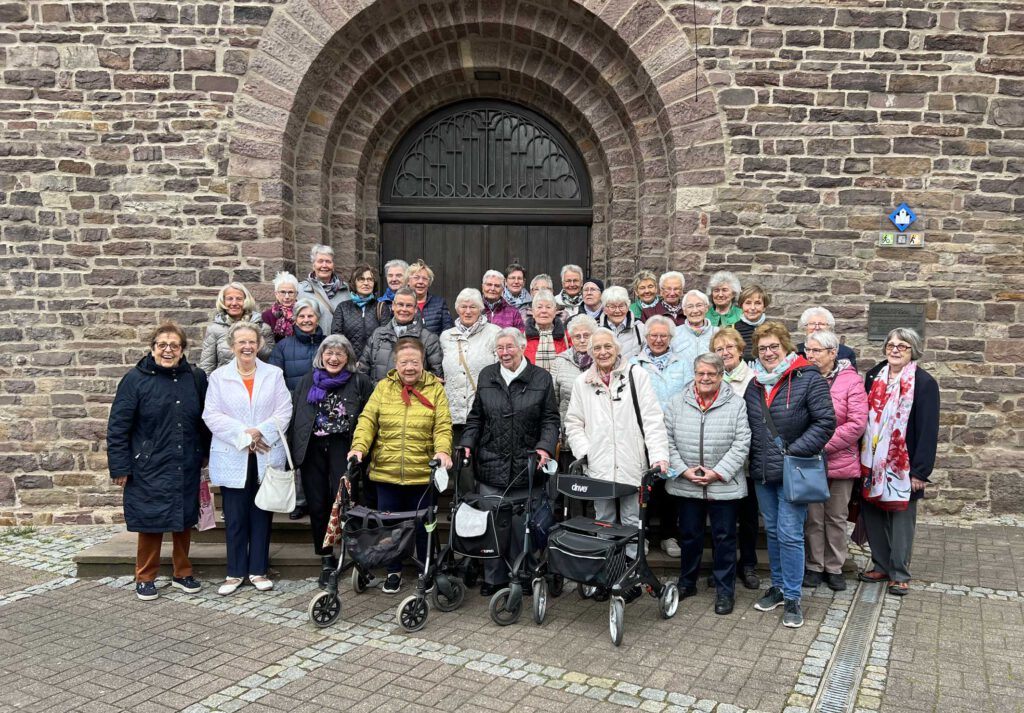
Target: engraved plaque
886 316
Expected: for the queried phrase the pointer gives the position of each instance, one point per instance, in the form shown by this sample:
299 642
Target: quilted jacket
294 355
436 315
357 323
378 355
505 315
459 353
850 402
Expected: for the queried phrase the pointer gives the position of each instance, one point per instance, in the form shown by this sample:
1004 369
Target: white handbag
277 491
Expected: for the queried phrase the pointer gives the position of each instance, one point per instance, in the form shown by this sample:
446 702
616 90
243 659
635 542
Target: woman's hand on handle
444 458
544 457
356 456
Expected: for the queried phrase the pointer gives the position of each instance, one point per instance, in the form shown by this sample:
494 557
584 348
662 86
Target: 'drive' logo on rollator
577 488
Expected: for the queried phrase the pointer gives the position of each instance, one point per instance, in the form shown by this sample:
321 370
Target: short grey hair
303 304
607 332
511 333
671 275
285 278
662 320
405 292
810 312
471 295
699 295
320 250
544 296
614 295
582 320
542 277
395 263
825 338
493 273
336 341
711 359
724 277
570 268
909 336
241 326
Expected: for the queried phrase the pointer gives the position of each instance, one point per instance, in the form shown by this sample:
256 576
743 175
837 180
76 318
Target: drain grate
838 692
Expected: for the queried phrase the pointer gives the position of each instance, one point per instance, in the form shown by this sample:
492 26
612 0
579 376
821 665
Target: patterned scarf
545 355
331 288
673 312
360 301
839 365
324 382
517 301
567 301
770 378
884 459
467 332
582 360
284 320
659 362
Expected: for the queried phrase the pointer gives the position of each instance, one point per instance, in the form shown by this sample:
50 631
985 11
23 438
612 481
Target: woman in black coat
156 445
326 405
514 412
357 318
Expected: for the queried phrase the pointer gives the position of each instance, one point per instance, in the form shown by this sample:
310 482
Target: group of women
709 391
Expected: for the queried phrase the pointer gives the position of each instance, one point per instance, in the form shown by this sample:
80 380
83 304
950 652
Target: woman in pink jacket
825 529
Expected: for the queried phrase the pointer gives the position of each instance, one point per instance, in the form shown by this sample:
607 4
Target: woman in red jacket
545 335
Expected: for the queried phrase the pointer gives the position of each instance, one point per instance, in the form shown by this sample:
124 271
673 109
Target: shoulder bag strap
284 442
766 416
465 366
639 418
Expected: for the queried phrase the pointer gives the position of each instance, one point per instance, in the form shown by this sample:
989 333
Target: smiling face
605 350
822 358
580 337
543 314
509 353
722 295
409 363
234 303
335 359
729 352
167 350
395 277
572 283
753 308
286 294
695 311
898 353
492 287
707 379
404 308
323 267
515 281
769 352
306 320
469 312
592 296
420 282
616 312
364 284
672 291
647 290
658 339
245 346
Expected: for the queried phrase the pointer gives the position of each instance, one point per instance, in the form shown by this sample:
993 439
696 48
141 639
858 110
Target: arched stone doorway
480 183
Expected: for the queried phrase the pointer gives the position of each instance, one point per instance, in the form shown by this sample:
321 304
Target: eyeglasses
689 308
728 349
287 293
897 348
367 278
812 352
817 324
707 375
167 347
776 348
336 353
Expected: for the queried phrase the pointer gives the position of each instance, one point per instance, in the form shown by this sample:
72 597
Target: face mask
440 479
551 467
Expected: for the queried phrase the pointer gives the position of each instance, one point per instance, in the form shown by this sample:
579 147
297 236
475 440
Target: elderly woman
615 422
325 405
514 413
499 312
247 411
819 319
591 294
395 272
323 285
433 309
728 344
570 298
708 439
294 355
234 304
670 288
357 318
280 317
645 292
616 316
378 357
825 531
797 397
407 423
156 445
540 283
753 301
515 292
724 288
693 337
545 335
897 455
467 348
573 361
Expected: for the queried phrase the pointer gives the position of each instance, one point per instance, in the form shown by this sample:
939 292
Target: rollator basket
482 526
587 559
373 538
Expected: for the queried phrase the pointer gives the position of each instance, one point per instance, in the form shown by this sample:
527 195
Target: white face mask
551 467
440 479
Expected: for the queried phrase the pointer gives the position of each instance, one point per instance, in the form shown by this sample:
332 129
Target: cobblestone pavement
957 642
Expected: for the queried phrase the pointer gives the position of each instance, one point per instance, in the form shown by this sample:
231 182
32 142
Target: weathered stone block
13 12
800 16
982 21
252 14
1008 112
156 59
31 482
954 43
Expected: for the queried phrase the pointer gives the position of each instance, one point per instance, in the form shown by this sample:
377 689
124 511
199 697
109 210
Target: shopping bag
207 510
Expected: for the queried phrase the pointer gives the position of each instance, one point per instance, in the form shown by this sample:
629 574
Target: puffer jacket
378 356
563 375
601 424
435 315
156 436
630 334
311 289
461 352
718 438
669 382
509 420
404 436
294 355
357 323
801 408
690 344
850 402
216 350
504 315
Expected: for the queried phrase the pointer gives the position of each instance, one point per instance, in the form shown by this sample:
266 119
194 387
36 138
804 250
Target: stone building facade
152 151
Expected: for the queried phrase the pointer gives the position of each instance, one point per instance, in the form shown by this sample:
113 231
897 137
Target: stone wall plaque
886 316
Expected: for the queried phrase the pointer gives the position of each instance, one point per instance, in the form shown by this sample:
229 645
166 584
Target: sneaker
835 582
670 547
812 579
793 617
146 591
393 583
750 579
188 584
772 598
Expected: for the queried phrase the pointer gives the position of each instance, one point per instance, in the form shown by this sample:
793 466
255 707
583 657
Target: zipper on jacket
401 467
701 448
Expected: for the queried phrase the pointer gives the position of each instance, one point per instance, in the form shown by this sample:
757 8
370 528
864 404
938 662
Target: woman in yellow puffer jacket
407 422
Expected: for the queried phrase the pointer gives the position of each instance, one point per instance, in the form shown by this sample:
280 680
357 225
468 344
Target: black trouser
722 514
321 473
748 514
662 514
246 527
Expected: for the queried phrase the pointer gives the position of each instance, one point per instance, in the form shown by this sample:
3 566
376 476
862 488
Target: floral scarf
284 320
884 459
660 362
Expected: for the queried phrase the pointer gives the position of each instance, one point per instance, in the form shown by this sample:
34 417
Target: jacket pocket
144 452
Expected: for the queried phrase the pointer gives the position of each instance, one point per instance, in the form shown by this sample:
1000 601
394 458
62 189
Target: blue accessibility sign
903 217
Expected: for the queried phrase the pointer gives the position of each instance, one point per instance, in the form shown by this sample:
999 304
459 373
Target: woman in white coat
247 409
602 425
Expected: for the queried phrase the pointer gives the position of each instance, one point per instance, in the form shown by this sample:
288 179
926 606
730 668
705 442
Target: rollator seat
598 528
580 487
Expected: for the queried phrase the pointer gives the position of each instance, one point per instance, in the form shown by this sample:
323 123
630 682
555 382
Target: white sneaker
671 547
261 583
229 586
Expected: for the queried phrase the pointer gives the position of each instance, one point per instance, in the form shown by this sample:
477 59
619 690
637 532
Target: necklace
245 374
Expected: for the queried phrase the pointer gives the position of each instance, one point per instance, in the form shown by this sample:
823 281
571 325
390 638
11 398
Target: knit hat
594 280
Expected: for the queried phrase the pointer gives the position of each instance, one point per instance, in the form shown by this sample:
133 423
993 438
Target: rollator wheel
359 581
616 619
324 609
668 603
586 591
500 611
412 613
443 603
540 600
557 585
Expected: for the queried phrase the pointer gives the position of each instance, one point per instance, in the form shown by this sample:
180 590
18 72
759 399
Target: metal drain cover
838 692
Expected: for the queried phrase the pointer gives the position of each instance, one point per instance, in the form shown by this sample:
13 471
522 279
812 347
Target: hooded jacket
294 355
216 350
156 437
850 402
459 353
630 334
378 356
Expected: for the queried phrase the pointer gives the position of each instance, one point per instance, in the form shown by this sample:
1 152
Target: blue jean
784 523
247 528
722 513
392 497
